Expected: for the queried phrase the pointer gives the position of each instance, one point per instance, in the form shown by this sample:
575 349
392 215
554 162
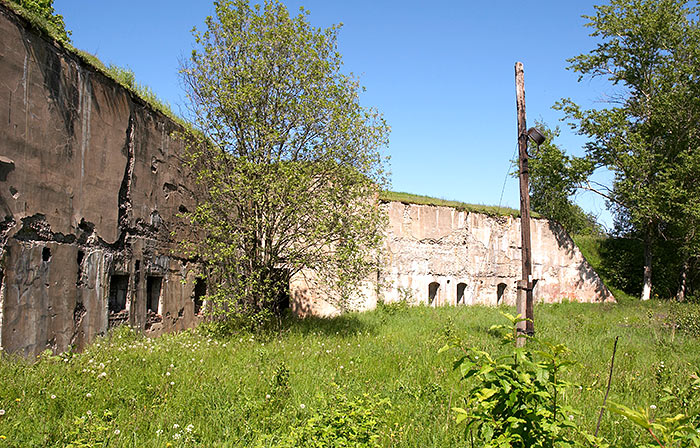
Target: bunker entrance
433 289
460 293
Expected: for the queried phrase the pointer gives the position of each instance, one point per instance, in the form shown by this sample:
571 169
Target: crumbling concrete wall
90 187
439 255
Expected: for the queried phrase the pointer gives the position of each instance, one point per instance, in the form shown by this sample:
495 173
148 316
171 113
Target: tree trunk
680 296
646 282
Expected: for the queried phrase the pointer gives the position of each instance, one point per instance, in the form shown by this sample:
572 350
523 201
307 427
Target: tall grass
256 390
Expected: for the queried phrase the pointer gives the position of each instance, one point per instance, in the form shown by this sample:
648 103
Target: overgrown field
362 375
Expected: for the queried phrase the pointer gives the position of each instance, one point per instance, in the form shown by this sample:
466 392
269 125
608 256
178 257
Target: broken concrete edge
418 199
29 21
439 255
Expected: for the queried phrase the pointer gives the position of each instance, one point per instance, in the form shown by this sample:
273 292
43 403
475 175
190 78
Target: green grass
410 198
253 390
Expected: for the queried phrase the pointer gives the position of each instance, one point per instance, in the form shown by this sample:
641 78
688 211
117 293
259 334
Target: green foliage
665 431
287 159
647 138
554 178
511 400
348 422
44 17
220 384
685 318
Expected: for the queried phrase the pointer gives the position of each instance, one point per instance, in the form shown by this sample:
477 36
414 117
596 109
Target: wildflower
2 412
189 428
175 426
116 432
571 417
172 383
89 412
652 407
172 366
53 397
302 406
88 395
177 435
102 375
267 396
167 373
159 432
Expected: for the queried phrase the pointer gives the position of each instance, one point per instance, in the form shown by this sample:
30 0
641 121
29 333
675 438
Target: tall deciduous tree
289 160
648 51
554 178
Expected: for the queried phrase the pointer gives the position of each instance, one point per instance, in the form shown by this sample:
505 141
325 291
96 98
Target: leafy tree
288 160
42 10
554 178
648 50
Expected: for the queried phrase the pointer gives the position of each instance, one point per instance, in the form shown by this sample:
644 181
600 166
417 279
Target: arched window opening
460 293
432 292
501 289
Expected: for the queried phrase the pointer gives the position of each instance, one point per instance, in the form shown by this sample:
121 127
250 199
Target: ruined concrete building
91 184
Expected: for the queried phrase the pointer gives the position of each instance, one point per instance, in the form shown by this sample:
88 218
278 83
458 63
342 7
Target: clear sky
441 72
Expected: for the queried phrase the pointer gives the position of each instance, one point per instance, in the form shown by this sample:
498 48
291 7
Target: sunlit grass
190 389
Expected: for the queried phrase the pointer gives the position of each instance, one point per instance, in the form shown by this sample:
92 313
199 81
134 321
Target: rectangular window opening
153 289
200 290
118 287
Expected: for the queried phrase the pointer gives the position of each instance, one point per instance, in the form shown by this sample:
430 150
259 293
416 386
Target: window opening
200 290
501 289
432 292
46 254
118 287
153 288
460 293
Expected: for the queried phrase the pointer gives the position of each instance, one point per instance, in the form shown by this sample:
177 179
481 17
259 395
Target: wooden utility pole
524 297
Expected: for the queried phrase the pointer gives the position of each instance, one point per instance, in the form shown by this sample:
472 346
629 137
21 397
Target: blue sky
441 72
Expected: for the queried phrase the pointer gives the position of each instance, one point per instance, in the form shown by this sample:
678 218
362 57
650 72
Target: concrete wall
439 256
90 186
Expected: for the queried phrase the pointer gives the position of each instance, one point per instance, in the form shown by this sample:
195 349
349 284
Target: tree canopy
288 160
649 51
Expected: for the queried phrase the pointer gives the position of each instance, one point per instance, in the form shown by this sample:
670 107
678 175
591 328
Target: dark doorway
433 289
200 290
500 291
460 293
153 288
118 287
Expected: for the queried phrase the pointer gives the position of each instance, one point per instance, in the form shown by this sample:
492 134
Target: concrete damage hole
500 291
200 290
46 254
433 289
460 293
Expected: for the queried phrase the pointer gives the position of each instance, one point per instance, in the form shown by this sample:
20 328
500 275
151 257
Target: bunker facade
91 185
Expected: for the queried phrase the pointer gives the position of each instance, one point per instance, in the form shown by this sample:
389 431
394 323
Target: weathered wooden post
524 296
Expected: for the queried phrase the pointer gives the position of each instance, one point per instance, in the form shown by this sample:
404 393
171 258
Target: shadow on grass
345 325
